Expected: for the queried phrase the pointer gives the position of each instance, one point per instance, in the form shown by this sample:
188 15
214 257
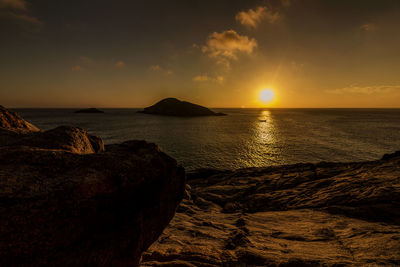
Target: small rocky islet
177 108
68 199
89 110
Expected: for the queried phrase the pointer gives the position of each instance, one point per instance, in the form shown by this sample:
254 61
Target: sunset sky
219 53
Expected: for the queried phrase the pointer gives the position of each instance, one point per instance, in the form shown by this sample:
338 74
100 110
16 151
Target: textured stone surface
65 200
11 121
328 214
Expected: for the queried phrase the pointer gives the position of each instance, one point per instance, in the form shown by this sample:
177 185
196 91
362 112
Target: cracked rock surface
326 214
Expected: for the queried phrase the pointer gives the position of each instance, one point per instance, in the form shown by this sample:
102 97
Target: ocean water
246 137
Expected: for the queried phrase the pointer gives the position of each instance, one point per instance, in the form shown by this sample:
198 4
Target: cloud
220 79
227 45
23 18
17 11
120 64
155 67
370 27
85 63
252 18
158 68
201 78
206 78
13 4
77 68
366 90
286 3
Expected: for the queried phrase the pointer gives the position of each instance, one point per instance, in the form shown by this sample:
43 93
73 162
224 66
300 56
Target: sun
266 95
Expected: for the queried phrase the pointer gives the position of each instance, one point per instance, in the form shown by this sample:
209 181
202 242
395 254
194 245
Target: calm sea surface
246 137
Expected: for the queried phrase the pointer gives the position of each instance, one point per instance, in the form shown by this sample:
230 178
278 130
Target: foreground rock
11 121
65 201
327 214
89 110
175 107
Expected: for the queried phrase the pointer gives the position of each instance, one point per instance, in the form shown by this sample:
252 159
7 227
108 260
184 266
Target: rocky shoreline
326 214
67 199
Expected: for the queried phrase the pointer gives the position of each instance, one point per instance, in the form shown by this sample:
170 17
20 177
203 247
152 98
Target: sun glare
266 95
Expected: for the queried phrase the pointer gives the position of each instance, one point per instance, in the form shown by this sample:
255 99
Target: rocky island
89 110
178 108
68 200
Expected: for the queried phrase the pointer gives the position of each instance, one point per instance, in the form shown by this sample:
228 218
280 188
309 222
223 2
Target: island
178 108
89 110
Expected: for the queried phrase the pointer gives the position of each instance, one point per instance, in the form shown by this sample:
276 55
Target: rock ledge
67 200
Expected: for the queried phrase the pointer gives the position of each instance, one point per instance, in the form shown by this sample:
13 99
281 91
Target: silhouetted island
89 110
176 107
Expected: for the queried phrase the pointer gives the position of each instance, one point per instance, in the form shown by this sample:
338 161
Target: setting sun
266 95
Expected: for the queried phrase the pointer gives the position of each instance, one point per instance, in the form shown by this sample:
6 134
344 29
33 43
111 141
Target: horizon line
210 107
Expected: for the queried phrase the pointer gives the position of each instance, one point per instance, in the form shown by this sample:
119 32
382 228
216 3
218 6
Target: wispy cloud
253 17
207 78
17 10
155 67
13 4
76 68
366 90
85 63
120 64
370 27
158 68
286 3
226 46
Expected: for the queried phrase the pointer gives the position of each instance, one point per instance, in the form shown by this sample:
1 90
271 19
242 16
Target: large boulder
175 107
66 202
67 138
15 131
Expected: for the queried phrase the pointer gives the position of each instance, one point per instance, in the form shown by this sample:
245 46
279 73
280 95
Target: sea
246 137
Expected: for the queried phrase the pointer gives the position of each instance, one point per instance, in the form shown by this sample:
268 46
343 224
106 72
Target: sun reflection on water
262 148
265 129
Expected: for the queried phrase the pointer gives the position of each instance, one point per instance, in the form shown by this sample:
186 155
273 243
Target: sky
217 53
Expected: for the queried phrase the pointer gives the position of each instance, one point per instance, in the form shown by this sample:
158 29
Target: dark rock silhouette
89 110
326 214
67 201
175 107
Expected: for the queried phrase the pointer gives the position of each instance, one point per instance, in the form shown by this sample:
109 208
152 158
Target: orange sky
311 53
